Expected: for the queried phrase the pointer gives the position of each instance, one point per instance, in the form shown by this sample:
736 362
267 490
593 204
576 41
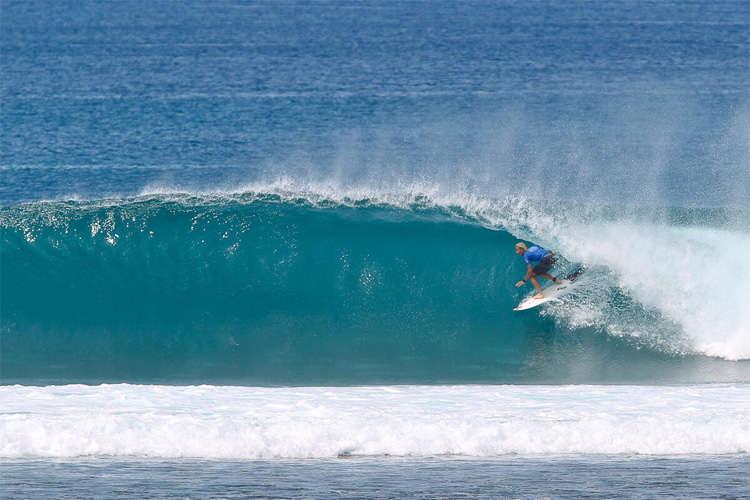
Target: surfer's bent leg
551 278
535 282
544 266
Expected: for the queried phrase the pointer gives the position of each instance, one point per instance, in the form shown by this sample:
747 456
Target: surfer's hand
520 283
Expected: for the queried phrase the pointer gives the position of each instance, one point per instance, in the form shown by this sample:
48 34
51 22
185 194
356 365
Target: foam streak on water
420 421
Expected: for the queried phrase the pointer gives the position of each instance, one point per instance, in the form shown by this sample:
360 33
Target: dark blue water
643 102
328 192
519 477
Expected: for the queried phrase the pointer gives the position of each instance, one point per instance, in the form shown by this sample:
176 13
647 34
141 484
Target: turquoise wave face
264 290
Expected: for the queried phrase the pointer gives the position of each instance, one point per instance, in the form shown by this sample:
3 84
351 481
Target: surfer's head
521 248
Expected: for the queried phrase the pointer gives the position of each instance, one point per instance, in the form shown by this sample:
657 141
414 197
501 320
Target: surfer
546 261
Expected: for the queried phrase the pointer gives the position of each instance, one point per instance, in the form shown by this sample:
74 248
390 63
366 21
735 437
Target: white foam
334 192
256 423
692 276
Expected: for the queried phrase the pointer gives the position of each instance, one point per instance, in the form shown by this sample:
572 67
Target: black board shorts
544 265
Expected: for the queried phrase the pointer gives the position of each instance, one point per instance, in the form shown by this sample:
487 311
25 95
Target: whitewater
232 423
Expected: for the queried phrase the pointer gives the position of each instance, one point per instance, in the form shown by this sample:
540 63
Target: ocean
265 249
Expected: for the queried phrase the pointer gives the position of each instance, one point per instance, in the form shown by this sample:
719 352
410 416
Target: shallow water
563 477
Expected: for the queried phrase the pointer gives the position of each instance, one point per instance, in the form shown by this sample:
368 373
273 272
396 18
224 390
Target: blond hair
521 244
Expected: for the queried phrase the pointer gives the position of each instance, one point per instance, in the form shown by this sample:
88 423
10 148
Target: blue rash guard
535 253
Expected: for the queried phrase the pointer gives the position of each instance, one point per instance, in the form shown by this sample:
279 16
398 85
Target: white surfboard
553 292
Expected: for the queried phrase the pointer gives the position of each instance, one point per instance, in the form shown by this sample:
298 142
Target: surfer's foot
539 296
558 282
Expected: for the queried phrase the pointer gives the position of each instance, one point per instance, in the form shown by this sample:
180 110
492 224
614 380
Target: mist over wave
644 150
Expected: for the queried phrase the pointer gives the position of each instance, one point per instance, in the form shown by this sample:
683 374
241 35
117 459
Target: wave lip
222 422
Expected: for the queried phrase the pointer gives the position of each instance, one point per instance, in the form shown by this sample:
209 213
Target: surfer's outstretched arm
529 274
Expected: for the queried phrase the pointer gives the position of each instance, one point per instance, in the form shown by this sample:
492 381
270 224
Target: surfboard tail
574 275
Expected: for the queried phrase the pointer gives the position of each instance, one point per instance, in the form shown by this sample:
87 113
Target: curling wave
276 286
